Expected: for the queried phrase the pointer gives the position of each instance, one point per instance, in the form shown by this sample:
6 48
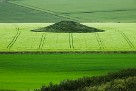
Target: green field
44 57
49 11
15 13
29 71
18 37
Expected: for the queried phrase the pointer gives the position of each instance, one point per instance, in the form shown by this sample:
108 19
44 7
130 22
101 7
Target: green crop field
18 37
15 13
30 71
50 11
30 59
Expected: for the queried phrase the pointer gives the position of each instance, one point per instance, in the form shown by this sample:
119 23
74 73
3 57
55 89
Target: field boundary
43 10
127 39
99 41
68 52
15 38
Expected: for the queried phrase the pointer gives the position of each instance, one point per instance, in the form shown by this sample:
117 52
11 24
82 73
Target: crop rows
7 34
22 39
42 41
71 41
15 38
99 41
126 38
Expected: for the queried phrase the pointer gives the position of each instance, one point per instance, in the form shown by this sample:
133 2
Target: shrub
80 84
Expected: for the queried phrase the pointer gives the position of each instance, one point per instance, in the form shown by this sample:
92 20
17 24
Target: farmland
30 58
50 11
30 71
18 37
15 13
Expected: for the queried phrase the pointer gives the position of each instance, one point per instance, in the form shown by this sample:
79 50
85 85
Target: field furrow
6 35
129 31
116 37
42 41
15 38
99 41
27 40
126 38
71 42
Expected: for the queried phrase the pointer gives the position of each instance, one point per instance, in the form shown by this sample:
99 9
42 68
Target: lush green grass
116 81
78 10
117 37
29 71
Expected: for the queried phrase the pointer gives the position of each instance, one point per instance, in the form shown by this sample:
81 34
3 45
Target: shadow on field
86 12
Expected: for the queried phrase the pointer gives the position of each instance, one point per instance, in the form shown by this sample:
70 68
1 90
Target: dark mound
68 27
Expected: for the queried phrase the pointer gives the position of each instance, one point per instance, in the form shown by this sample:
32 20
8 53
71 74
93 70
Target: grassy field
25 72
49 11
18 37
19 14
29 71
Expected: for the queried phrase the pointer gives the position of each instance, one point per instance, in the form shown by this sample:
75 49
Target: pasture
50 11
18 37
29 71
